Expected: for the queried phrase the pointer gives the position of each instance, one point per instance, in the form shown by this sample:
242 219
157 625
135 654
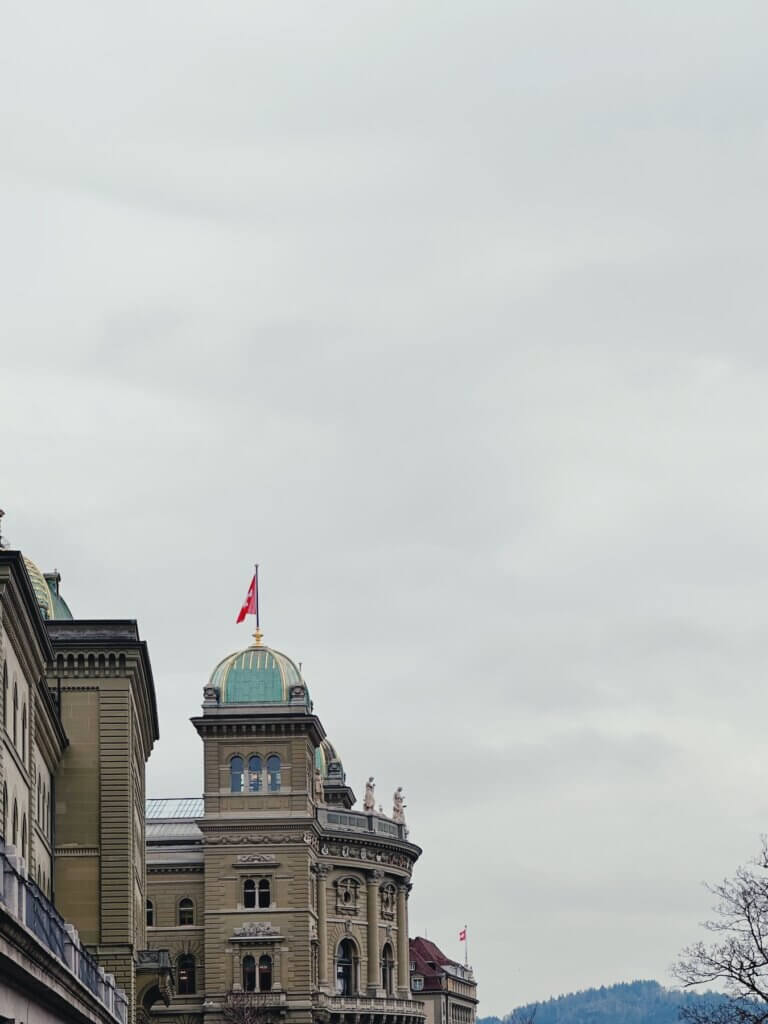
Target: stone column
322 927
374 975
403 948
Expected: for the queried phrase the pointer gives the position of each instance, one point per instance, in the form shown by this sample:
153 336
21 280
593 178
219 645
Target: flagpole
256 591
466 946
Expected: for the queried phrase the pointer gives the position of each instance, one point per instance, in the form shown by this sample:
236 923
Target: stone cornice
104 648
22 620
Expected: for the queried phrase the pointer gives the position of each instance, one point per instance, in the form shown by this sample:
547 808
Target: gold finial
257 638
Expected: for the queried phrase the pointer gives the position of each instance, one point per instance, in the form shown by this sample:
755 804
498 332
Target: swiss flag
463 935
249 604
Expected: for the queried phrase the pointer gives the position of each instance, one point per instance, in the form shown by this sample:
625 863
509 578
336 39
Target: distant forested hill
634 1002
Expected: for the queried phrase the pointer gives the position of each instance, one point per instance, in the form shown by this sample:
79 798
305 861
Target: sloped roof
174 807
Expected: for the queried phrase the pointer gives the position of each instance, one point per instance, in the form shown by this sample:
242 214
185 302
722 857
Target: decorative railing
369 1004
358 822
31 908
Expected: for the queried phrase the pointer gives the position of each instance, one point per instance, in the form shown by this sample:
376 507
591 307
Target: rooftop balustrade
357 821
29 906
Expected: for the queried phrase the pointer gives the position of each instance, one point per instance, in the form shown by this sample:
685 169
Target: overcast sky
453 316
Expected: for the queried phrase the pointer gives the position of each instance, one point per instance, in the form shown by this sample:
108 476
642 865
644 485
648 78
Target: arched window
249 893
24 734
346 968
186 911
254 773
150 914
265 896
186 974
236 775
5 812
24 836
387 969
5 695
15 832
15 713
39 795
273 773
265 973
47 812
249 974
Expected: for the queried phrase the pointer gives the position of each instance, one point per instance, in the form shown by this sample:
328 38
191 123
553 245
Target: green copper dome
257 675
324 755
46 587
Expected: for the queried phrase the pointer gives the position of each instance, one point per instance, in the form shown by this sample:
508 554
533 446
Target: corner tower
279 896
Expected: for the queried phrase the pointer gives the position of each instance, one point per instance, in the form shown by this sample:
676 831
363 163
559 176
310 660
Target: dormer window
417 983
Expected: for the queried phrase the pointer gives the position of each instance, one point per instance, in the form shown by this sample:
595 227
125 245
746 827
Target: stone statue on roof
369 803
398 806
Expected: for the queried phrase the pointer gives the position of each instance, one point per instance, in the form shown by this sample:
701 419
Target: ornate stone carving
347 892
255 930
256 858
388 902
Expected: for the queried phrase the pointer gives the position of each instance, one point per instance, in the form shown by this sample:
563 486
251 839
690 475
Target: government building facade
268 898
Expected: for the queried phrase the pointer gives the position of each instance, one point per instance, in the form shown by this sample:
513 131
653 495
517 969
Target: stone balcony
357 1009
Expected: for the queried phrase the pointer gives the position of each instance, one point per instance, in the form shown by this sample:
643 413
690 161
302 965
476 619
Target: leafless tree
246 1008
736 959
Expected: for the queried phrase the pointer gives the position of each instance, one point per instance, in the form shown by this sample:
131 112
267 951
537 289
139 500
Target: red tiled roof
428 959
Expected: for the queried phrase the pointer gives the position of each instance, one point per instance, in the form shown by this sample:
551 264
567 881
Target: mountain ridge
626 1002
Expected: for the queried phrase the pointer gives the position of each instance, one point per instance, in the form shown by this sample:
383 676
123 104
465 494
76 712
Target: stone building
275 897
447 988
78 723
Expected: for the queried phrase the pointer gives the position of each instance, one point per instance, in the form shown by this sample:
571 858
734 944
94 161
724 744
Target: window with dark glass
254 774
24 734
249 893
387 969
15 833
5 812
346 964
150 914
186 911
15 713
265 895
265 973
24 836
249 974
185 983
39 794
273 773
5 695
236 775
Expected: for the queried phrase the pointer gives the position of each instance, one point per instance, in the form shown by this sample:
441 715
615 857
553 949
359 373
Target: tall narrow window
15 832
24 734
265 973
254 773
5 812
150 914
249 974
273 773
265 896
15 713
387 969
39 795
236 775
5 695
249 894
186 974
24 836
186 911
346 968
